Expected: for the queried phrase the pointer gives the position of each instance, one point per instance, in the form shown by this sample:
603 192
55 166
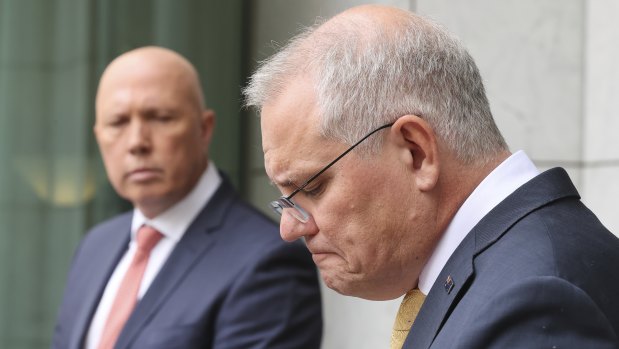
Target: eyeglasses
286 202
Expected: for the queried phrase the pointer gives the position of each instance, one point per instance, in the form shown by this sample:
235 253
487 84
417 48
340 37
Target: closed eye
315 191
118 121
164 118
162 115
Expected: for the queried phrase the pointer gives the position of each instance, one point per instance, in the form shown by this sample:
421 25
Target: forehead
142 86
291 141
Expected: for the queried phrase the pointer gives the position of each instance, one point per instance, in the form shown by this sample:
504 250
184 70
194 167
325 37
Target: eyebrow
150 110
293 179
286 184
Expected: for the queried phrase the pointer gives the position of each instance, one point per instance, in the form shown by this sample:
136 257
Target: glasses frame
297 211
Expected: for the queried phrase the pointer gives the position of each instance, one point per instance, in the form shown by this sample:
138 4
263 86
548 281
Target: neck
459 181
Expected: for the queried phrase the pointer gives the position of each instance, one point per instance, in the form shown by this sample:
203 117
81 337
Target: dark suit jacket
539 271
230 282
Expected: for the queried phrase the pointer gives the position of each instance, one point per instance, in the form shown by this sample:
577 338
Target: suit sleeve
544 312
275 304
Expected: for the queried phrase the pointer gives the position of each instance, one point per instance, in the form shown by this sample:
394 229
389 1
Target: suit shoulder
556 235
255 235
571 232
562 240
116 225
252 213
250 223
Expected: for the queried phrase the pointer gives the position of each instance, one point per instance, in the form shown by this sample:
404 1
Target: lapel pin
449 284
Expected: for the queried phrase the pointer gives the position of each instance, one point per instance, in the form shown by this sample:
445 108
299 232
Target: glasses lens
277 207
298 213
284 204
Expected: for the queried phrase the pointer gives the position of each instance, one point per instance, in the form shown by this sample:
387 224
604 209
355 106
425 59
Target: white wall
552 77
600 185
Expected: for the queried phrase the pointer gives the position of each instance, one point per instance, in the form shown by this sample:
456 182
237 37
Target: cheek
175 155
183 147
367 232
113 161
349 238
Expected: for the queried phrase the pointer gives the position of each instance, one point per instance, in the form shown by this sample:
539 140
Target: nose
292 229
139 138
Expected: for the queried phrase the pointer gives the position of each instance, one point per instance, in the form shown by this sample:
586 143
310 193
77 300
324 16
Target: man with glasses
377 131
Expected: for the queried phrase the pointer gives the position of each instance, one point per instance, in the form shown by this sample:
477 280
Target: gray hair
368 75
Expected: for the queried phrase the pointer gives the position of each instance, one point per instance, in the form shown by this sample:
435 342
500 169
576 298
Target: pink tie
127 295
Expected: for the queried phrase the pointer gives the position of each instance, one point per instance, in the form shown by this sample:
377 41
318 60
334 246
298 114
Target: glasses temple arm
335 160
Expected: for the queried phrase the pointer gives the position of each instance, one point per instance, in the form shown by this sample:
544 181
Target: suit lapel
194 243
547 187
442 296
110 249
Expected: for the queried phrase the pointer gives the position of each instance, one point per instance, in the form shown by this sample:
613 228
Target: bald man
191 266
377 131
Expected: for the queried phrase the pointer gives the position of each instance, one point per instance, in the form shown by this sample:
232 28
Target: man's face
362 231
152 134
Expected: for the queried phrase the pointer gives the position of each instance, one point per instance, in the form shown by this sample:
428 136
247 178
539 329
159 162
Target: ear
420 150
96 130
207 124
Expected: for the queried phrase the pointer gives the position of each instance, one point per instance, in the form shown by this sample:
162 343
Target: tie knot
148 237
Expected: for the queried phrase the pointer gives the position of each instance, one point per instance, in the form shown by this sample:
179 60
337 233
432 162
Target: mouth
319 257
320 250
143 174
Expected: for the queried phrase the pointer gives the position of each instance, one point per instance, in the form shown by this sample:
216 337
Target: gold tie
406 316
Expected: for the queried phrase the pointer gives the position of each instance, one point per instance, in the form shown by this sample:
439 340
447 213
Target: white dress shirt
499 184
172 224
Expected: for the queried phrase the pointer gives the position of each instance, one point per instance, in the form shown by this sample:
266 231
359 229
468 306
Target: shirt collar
499 184
173 222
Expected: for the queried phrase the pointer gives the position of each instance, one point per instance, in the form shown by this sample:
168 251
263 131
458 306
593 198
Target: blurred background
550 69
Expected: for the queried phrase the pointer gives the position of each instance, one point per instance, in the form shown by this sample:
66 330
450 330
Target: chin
151 198
360 289
343 287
